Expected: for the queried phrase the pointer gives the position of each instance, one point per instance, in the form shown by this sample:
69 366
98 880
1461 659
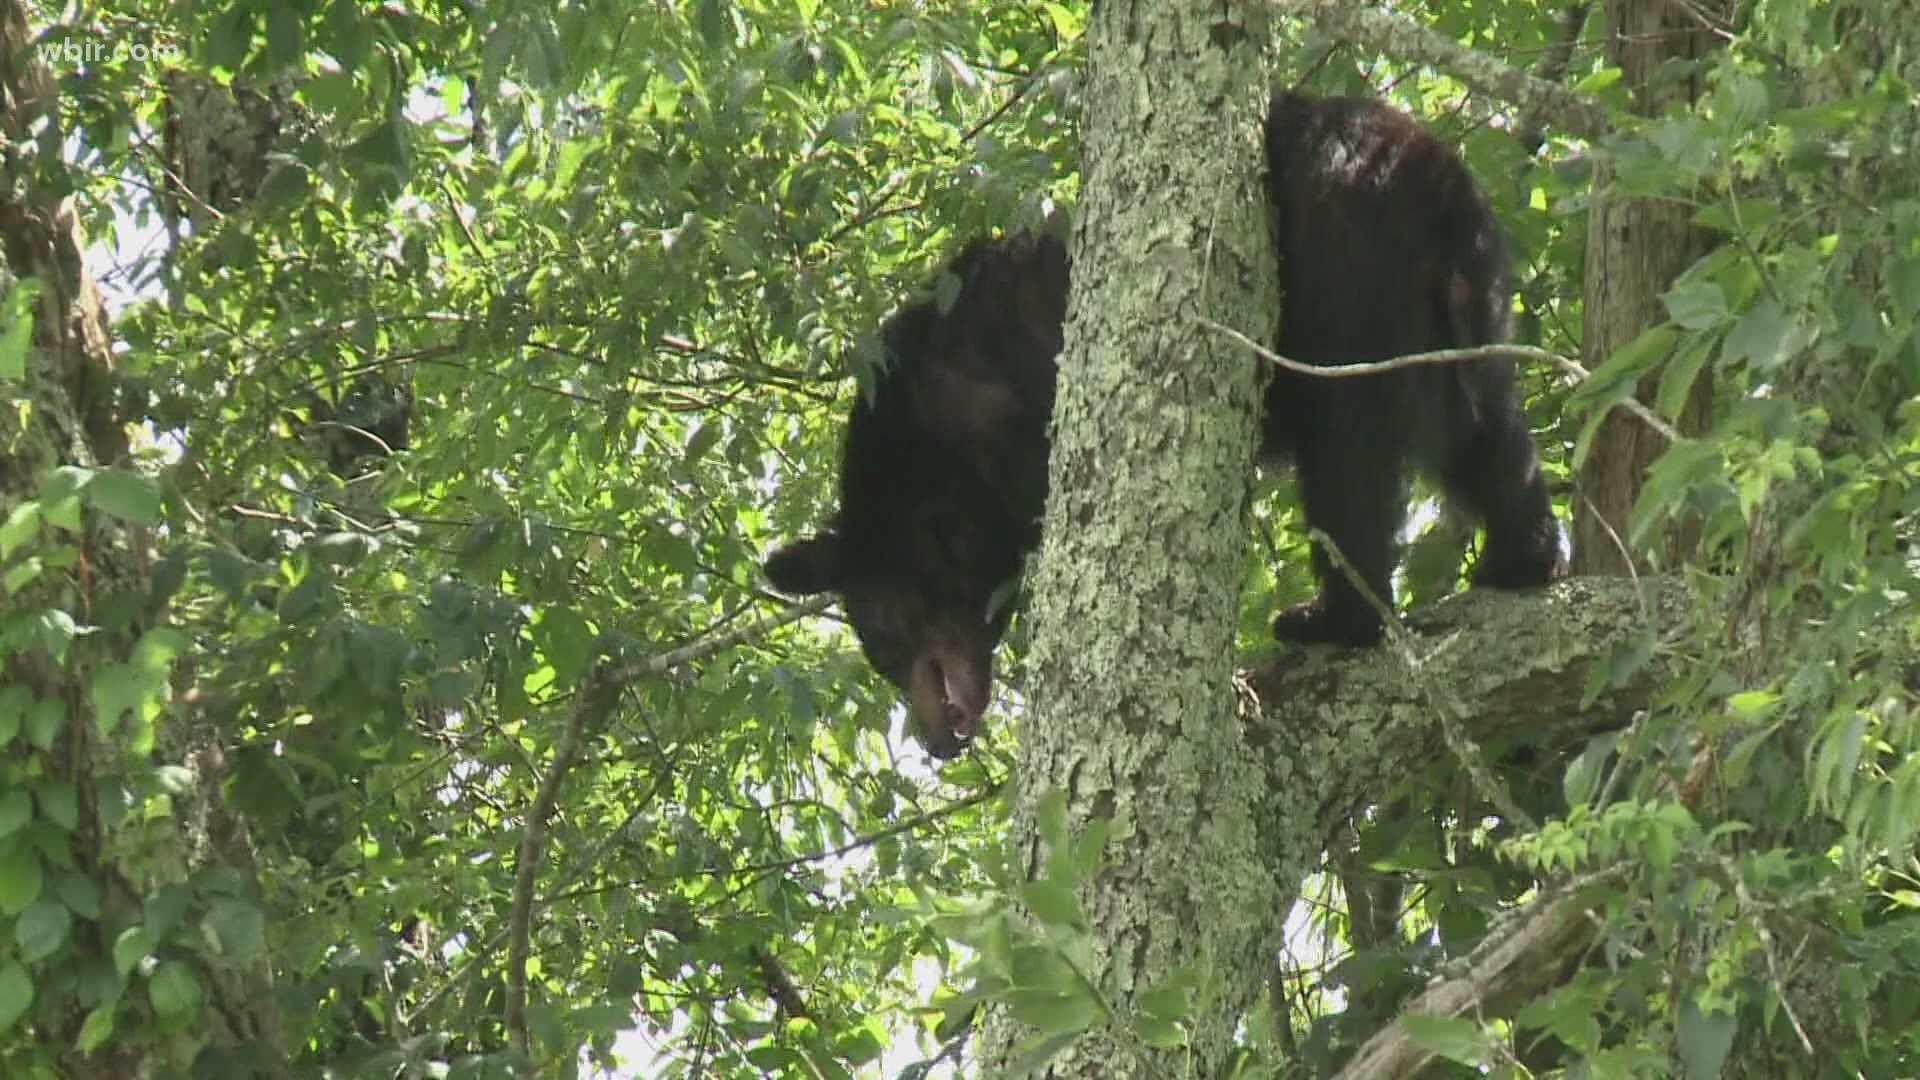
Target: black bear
1387 248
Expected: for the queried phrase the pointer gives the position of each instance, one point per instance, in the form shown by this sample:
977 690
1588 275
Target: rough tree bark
1133 711
1635 249
75 420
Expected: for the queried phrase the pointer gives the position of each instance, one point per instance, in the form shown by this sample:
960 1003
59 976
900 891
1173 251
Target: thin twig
1568 366
1633 571
703 647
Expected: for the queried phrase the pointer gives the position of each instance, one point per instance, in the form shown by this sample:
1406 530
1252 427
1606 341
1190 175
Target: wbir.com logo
73 51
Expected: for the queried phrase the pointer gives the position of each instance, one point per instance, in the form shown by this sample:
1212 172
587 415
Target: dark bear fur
1387 248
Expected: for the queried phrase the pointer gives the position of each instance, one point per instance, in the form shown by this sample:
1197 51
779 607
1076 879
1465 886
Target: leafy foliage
622 265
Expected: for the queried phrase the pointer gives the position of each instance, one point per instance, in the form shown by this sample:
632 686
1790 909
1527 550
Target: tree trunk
125 839
1131 691
1635 249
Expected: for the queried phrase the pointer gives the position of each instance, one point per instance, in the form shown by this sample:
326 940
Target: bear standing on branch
1387 248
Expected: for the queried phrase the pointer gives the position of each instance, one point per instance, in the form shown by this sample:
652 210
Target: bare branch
1567 365
1552 66
701 648
1511 965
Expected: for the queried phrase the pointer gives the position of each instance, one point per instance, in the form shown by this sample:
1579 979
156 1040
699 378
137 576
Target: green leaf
715 23
20 879
1054 904
1697 305
56 632
286 37
22 525
96 1029
240 927
1067 23
1753 705
1757 336
174 990
116 691
1704 1040
230 37
1598 81
231 571
16 328
1583 775
62 513
566 640
16 809
132 946
1050 818
288 184
44 721
1614 380
42 929
1160 1033
14 703
1455 1040
1628 655
1089 851
23 574
702 441
1032 1054
60 804
1676 381
1052 1013
1173 997
80 894
774 1060
381 159
16 994
165 907
346 34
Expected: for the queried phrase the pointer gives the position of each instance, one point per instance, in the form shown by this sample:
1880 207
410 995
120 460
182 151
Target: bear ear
816 564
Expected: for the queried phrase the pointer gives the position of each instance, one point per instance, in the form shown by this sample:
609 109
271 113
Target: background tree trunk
127 858
1635 249
1138 581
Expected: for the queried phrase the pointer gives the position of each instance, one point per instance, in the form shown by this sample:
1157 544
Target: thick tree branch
589 708
1407 39
1514 964
1531 131
1518 660
1339 729
40 237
